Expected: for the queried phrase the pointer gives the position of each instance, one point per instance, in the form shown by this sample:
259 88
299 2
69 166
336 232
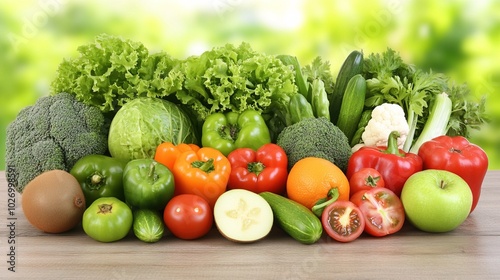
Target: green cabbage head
142 124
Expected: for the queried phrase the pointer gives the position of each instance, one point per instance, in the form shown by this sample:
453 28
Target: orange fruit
311 178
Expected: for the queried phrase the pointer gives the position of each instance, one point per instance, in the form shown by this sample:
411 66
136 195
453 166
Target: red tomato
188 216
382 209
365 179
343 221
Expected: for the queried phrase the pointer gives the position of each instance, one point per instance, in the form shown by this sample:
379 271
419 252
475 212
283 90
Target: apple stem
442 185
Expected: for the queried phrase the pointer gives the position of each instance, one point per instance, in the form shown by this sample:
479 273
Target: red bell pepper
259 171
392 163
456 154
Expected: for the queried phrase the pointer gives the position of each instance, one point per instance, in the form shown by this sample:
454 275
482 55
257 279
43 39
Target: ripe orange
311 178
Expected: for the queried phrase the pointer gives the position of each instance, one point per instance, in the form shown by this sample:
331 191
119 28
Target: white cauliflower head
385 118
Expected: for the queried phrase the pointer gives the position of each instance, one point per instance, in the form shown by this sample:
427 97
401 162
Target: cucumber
148 225
352 106
352 66
295 219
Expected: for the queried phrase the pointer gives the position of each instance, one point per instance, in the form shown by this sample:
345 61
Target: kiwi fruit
53 201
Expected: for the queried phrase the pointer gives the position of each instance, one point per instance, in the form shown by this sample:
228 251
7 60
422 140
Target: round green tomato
107 219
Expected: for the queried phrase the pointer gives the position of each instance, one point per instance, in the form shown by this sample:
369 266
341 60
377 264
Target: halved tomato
343 221
382 210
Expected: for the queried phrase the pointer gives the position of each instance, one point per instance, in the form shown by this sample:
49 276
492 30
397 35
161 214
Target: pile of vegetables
157 142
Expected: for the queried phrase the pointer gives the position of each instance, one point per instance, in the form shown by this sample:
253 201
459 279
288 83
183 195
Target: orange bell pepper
167 153
204 172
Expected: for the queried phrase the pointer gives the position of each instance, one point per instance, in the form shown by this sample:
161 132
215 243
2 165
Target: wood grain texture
470 252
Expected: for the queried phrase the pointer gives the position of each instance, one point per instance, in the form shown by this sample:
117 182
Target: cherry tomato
343 221
365 179
188 216
382 209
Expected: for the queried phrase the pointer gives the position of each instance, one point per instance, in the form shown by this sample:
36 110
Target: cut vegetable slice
243 216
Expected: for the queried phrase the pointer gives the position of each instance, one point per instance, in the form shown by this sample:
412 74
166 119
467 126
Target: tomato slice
382 210
343 221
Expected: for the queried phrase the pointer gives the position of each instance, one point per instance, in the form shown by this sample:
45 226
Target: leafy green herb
320 69
467 114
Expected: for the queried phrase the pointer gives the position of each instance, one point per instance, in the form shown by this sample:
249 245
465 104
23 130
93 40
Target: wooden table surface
472 251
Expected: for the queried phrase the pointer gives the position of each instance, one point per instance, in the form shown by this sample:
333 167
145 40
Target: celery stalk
412 123
437 123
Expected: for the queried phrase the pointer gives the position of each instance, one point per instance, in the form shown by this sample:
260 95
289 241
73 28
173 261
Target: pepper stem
229 132
152 169
331 197
392 144
206 166
96 179
256 167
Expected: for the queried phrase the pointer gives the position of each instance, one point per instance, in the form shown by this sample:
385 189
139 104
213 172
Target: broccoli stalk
53 133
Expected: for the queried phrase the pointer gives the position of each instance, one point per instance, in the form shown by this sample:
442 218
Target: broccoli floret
54 133
315 137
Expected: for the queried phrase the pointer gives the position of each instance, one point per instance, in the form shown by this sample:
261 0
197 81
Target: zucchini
352 106
352 66
294 218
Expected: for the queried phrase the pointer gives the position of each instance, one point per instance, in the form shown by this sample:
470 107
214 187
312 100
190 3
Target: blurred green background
459 38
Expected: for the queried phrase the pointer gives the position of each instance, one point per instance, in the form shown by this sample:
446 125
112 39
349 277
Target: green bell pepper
99 176
147 184
229 131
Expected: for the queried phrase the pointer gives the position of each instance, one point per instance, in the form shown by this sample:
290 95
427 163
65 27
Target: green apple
436 200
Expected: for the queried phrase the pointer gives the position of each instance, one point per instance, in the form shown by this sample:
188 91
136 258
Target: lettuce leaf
112 71
235 78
